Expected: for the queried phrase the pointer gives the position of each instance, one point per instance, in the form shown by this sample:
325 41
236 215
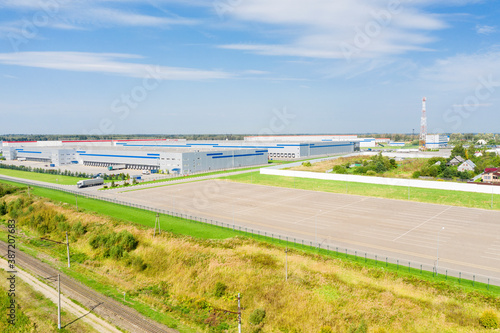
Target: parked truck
90 182
117 167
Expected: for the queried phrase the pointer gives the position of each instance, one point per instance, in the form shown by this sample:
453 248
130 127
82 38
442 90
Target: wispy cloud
331 29
107 63
63 14
463 72
485 29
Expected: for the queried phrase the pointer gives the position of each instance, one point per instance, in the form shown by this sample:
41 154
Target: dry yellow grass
319 292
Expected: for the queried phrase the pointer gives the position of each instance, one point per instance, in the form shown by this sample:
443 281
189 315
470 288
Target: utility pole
157 222
286 264
67 245
67 248
59 301
239 313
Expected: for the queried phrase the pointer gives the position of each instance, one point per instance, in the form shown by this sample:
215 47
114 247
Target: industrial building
436 141
179 156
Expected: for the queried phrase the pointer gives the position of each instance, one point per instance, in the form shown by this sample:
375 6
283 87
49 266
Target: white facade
436 141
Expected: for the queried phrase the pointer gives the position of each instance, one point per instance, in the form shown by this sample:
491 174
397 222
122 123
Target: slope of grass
174 278
443 197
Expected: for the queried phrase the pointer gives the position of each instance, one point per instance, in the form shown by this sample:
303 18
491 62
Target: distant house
478 154
457 160
481 142
467 166
491 175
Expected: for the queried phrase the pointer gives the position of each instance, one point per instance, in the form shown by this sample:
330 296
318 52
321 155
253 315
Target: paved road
122 316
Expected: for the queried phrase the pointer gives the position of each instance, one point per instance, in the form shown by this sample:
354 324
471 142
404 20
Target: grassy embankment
180 280
177 276
35 313
443 197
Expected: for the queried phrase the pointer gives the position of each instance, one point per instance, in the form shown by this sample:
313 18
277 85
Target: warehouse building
171 155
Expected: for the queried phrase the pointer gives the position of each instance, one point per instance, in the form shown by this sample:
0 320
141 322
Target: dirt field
470 241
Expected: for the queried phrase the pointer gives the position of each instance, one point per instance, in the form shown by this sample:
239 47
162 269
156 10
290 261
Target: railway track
114 312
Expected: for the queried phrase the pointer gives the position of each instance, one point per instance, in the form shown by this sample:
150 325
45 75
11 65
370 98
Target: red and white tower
423 127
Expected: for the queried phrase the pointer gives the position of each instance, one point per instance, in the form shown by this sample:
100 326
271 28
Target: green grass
139 216
442 197
201 230
182 177
43 177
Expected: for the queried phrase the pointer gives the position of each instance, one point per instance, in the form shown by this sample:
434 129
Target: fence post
420 269
346 253
488 287
473 280
386 262
397 265
459 277
375 260
355 255
365 257
409 264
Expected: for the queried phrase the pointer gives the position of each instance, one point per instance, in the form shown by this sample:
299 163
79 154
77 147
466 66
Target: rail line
116 313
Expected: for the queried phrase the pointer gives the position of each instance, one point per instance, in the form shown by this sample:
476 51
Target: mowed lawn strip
442 197
42 177
139 216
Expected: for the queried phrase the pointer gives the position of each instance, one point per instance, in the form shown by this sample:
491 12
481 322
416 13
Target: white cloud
485 29
63 14
464 72
337 29
107 63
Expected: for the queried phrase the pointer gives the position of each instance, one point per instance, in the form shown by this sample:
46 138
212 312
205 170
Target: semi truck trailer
90 182
117 167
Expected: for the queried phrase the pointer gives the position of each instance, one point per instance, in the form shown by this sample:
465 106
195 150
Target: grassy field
443 197
43 177
180 280
35 312
405 168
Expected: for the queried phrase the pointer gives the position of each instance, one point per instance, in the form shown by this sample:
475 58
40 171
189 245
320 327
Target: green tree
458 150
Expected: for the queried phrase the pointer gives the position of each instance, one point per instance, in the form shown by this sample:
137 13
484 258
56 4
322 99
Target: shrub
489 319
79 229
3 208
371 173
105 186
326 329
416 174
257 316
306 164
220 289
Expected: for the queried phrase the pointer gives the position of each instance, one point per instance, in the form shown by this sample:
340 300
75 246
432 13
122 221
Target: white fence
438 185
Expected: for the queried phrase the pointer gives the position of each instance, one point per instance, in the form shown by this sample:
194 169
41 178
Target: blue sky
248 66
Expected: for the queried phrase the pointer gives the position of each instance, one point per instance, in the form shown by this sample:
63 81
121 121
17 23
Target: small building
457 160
467 166
478 154
481 142
491 175
436 141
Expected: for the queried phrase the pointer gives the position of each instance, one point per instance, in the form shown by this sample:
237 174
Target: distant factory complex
184 157
174 156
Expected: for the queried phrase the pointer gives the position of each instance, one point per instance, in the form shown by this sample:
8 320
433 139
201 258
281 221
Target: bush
220 289
416 174
257 316
105 186
79 229
3 208
326 329
489 319
371 173
306 164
